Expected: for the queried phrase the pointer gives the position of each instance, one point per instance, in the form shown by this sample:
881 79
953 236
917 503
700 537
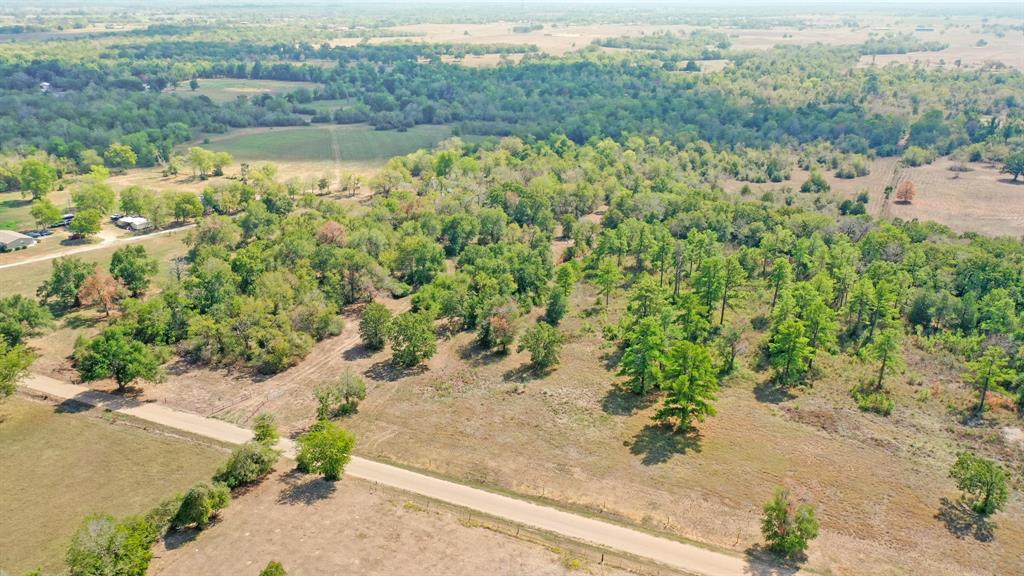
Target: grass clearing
59 467
349 143
227 89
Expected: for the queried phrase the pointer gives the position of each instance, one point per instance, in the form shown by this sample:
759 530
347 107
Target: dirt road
687 557
107 241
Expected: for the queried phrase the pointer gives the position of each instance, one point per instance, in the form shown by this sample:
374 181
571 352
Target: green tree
44 213
119 157
557 305
419 259
340 396
247 464
133 267
94 194
412 338
643 355
264 429
14 363
789 352
201 504
373 326
104 546
186 206
983 480
885 349
274 568
988 370
325 449
709 283
1014 165
787 528
782 275
137 201
85 223
691 384
21 316
114 354
544 342
66 278
37 177
607 277
732 275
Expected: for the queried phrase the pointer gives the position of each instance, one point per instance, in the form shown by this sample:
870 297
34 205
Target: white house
135 223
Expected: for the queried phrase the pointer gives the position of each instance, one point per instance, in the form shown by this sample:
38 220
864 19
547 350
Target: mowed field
60 466
227 89
354 527
341 144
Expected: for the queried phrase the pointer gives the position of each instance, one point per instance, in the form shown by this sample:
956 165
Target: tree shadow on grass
612 359
357 352
771 392
175 539
659 443
761 562
79 321
304 489
620 401
962 521
387 371
479 355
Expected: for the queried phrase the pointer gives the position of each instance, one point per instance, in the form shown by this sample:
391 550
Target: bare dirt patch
354 527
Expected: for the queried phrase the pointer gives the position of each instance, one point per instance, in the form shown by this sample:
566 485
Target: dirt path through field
687 557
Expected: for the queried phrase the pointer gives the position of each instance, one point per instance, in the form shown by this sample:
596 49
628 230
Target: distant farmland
328 143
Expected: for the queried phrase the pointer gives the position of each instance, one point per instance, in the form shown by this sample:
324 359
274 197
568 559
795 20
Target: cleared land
357 143
60 466
356 527
227 89
572 437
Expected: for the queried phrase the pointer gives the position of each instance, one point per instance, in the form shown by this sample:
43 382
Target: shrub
874 400
247 464
103 545
787 529
264 429
274 568
412 338
325 449
200 504
917 156
373 325
557 306
544 342
340 397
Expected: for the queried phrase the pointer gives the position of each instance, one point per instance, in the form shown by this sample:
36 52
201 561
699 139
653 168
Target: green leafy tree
982 480
988 370
104 546
544 343
133 267
21 316
114 354
136 200
200 505
709 282
643 355
186 206
607 278
412 338
247 464
1014 165
325 449
94 194
120 157
264 429
557 305
789 352
732 275
44 213
419 259
340 396
65 280
37 177
782 276
373 326
885 349
85 223
691 384
14 364
788 528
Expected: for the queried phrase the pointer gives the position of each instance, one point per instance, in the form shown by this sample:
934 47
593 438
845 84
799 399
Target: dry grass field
570 436
60 466
355 527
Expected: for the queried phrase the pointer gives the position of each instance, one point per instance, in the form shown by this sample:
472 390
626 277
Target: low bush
247 464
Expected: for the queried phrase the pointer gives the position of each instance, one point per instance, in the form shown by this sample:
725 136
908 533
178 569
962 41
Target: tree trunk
881 373
981 402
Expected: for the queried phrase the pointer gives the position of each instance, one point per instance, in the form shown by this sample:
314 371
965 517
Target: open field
59 466
354 526
982 200
354 143
571 437
25 278
227 89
